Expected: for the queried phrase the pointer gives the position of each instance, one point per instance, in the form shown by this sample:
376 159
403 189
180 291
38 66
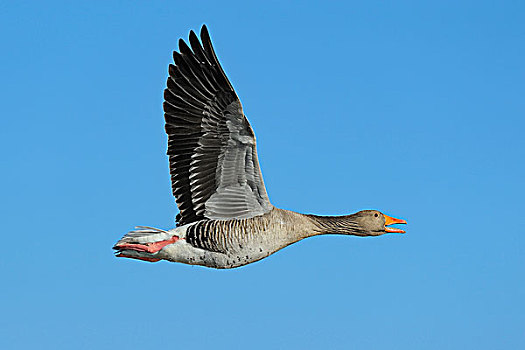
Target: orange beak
392 221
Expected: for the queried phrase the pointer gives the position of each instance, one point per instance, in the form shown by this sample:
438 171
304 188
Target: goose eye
376 215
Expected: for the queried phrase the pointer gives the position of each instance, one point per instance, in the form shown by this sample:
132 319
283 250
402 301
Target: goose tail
144 243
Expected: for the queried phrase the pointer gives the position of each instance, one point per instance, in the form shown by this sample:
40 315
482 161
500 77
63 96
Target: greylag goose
225 217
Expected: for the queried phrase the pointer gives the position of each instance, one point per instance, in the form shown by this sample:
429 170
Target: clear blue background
416 109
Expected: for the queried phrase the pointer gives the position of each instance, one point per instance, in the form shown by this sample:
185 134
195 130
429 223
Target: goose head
376 223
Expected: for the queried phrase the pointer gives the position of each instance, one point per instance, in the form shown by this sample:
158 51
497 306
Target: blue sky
413 108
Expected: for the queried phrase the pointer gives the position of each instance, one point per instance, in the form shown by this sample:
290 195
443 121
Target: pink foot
120 255
148 247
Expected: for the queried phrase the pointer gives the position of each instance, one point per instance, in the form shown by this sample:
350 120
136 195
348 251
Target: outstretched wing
214 168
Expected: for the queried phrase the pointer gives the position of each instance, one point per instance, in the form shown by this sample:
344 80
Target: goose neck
341 225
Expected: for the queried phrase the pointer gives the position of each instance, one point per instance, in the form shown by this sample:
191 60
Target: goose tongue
392 221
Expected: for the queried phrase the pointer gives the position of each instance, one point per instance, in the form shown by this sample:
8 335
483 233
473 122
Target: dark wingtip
177 57
181 43
184 48
193 36
204 33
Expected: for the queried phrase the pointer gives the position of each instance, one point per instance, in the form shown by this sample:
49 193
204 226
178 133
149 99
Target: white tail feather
145 234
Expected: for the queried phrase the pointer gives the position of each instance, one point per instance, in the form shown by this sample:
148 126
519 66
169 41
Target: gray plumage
211 146
225 217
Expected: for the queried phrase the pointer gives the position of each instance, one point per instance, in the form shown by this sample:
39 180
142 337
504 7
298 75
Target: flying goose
225 217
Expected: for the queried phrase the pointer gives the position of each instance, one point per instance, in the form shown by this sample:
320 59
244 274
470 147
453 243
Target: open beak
392 221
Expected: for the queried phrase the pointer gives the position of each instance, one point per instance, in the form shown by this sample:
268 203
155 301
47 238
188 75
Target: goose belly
183 252
223 244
